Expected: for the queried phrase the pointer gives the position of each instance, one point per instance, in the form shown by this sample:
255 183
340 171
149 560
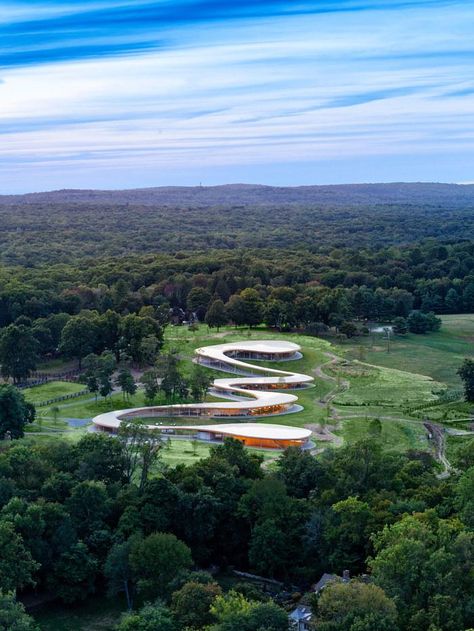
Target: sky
136 93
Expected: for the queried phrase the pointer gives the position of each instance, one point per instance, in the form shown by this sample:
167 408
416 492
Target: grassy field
395 436
362 382
178 451
384 387
437 355
51 390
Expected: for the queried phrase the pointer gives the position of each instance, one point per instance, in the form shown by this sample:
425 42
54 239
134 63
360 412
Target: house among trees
330 578
300 618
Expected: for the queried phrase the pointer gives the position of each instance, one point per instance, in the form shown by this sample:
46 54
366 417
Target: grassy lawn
395 436
183 451
386 387
437 355
51 390
87 406
178 451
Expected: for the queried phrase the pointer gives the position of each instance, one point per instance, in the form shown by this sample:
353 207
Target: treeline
134 337
94 517
431 277
122 305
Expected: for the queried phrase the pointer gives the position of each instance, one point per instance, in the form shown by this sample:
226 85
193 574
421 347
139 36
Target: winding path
435 430
255 391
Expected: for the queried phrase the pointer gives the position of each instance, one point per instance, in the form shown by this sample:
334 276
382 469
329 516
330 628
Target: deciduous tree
18 352
15 412
17 567
126 383
150 618
355 606
13 616
191 604
156 561
80 336
216 315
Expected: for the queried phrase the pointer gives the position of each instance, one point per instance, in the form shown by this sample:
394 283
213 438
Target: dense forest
74 520
121 305
53 227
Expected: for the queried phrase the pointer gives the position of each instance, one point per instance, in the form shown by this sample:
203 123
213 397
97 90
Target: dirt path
437 432
325 433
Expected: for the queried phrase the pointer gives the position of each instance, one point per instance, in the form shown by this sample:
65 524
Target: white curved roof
250 399
247 430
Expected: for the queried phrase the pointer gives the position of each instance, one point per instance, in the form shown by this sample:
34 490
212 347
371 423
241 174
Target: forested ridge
76 309
432 276
53 227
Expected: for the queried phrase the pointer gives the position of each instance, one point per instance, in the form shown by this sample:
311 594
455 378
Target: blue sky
122 94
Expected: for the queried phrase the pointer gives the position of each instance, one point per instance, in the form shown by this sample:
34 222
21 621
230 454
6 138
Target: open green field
385 387
178 450
51 390
437 355
352 382
395 436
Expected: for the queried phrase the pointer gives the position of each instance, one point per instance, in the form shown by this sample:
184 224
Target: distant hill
249 194
73 224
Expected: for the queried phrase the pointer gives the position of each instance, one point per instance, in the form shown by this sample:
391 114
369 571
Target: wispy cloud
77 30
203 87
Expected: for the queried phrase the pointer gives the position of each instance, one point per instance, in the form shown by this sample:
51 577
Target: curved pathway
436 430
255 391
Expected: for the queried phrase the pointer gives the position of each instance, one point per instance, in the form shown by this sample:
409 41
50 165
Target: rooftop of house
330 578
300 613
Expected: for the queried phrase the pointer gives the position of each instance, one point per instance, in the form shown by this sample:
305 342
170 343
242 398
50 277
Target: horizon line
241 184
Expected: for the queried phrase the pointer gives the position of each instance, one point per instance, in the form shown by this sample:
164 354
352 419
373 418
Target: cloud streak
192 89
83 30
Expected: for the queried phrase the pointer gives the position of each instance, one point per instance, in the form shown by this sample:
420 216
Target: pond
78 422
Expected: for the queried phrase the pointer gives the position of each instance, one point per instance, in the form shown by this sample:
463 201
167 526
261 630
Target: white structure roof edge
254 399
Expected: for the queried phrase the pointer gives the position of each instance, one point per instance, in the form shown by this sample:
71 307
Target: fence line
65 397
40 378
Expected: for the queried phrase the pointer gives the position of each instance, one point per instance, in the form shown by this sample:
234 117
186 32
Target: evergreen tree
466 372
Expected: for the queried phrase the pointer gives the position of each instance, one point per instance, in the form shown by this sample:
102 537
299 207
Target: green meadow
437 355
355 382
